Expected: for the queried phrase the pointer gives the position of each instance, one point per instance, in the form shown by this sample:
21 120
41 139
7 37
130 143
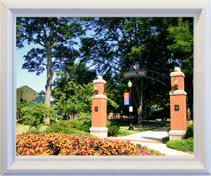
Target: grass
20 128
124 131
181 145
124 125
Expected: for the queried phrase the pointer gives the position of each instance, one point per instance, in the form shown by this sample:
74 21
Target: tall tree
118 43
73 89
54 38
182 48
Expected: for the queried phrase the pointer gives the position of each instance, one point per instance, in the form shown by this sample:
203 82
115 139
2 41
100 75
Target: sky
36 82
24 77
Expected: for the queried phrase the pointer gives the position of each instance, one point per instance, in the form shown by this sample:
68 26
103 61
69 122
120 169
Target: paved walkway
153 140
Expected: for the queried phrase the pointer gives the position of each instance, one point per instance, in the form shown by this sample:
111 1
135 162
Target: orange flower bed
62 144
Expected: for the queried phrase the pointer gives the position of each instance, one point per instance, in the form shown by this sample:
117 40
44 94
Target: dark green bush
60 127
189 132
33 131
85 128
113 128
184 145
82 123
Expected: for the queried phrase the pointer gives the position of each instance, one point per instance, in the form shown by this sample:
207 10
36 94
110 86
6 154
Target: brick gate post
99 109
177 105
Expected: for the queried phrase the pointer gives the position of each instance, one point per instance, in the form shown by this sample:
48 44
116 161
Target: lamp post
21 99
130 106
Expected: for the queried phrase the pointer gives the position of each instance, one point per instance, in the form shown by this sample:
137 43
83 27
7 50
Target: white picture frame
199 164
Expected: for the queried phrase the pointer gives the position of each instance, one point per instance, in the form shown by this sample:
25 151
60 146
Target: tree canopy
157 44
54 38
110 46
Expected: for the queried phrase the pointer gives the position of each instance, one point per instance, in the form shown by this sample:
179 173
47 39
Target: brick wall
99 101
99 117
178 118
181 85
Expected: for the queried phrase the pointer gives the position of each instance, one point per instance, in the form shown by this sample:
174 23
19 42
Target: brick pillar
99 109
177 105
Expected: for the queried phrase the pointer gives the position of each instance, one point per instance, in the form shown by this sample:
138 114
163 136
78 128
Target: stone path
153 140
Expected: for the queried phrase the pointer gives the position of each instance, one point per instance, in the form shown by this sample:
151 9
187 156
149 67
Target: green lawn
145 127
20 128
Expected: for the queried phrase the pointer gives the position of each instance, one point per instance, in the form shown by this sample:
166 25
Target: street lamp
21 99
130 106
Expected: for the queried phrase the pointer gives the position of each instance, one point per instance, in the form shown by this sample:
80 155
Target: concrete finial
99 80
177 72
177 69
99 77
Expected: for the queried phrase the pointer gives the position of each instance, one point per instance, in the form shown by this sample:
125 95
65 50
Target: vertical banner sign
126 98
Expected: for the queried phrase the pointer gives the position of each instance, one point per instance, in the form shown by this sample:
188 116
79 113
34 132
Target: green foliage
32 131
20 106
82 123
60 127
113 128
189 132
182 48
54 37
157 44
184 145
74 98
34 116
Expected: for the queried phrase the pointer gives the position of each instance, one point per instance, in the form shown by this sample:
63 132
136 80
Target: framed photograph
198 164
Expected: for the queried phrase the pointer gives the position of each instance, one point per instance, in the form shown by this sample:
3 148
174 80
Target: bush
60 127
32 131
34 116
189 132
82 123
113 128
85 128
184 145
62 144
160 114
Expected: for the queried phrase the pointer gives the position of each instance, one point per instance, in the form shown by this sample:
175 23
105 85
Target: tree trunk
49 77
140 108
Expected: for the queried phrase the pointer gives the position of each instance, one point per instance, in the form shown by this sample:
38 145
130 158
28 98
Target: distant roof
39 99
42 93
28 87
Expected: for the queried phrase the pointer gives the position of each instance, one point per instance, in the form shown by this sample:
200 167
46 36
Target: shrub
20 106
184 145
189 132
60 127
85 128
62 144
82 123
113 128
34 116
32 131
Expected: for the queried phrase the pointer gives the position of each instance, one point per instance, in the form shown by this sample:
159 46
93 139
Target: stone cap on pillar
99 96
177 72
177 92
99 80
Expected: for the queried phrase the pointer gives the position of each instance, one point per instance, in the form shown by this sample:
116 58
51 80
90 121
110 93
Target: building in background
25 93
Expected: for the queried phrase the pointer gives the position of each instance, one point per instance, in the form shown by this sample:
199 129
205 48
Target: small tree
20 106
75 99
34 116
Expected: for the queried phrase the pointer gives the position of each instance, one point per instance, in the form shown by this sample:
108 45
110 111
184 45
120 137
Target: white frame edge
199 164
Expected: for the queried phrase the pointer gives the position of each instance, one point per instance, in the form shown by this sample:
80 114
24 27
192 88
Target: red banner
126 95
